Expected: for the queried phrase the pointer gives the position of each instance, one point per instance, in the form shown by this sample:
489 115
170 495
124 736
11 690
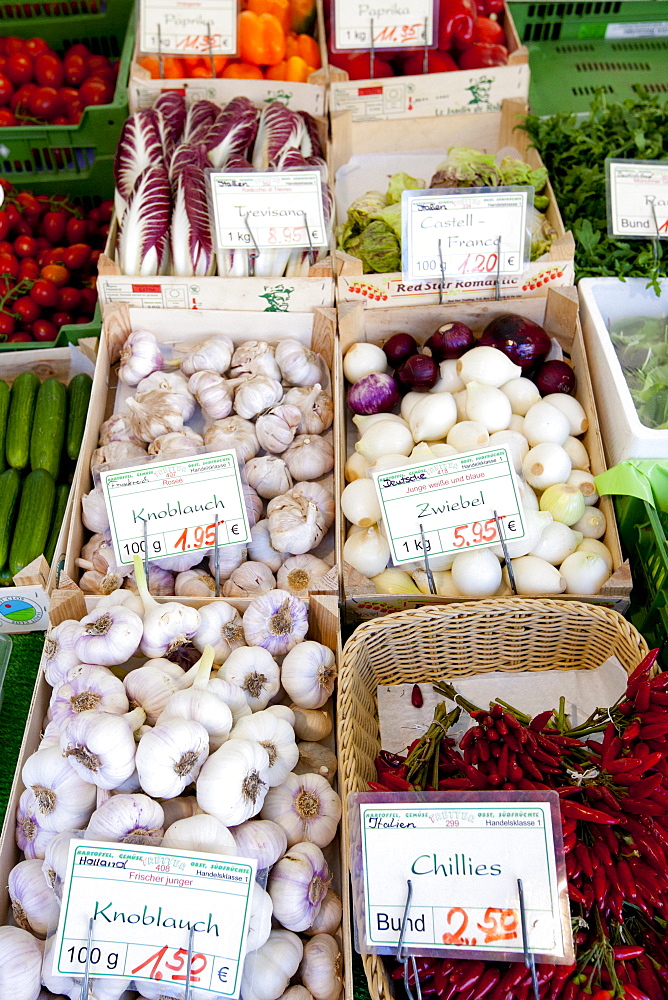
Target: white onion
584 572
592 524
476 573
585 483
544 422
565 503
536 576
488 405
556 543
545 465
359 503
522 394
577 453
594 545
577 418
363 359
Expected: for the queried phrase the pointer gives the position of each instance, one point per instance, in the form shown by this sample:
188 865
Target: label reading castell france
144 902
400 24
637 198
188 27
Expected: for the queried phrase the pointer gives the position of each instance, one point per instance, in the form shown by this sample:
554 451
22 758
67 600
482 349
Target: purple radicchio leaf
289 158
171 106
140 146
310 145
238 164
142 241
279 128
186 156
232 133
191 242
201 116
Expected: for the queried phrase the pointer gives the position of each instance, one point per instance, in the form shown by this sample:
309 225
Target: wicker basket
426 644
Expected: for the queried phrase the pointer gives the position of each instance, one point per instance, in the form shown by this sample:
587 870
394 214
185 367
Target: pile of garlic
206 759
267 402
482 400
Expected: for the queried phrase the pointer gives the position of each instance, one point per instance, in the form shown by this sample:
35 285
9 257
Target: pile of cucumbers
41 429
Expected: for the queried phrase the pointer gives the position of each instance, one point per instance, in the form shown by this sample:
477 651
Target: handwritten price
178 958
201 43
199 537
496 925
479 532
399 34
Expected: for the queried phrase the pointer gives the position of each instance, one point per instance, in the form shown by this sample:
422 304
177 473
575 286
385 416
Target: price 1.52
161 963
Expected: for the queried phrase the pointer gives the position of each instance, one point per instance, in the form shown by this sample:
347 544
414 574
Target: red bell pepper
456 21
437 62
480 55
489 31
358 66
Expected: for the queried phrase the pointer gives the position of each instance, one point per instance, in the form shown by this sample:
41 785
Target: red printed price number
287 234
164 962
479 532
202 43
497 925
400 34
197 538
480 263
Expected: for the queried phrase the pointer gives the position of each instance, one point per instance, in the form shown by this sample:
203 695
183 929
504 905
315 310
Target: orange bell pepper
279 8
150 63
302 15
173 68
261 39
242 71
305 47
294 69
199 67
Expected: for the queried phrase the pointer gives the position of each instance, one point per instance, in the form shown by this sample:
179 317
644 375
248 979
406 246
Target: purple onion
554 376
419 373
399 347
375 393
450 341
524 342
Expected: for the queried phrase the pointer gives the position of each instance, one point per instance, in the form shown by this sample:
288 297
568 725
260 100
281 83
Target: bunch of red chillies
614 811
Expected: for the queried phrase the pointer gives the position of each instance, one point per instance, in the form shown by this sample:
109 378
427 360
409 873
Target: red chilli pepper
396 783
624 952
486 983
417 701
574 810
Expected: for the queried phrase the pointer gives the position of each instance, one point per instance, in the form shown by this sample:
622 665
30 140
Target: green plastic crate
27 150
553 22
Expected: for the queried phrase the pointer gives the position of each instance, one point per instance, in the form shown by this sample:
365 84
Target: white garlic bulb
262 840
213 354
200 833
315 406
306 807
269 969
109 637
232 784
277 621
261 550
92 688
268 475
200 705
179 808
140 357
328 918
195 583
232 433
177 444
308 673
58 654
297 885
94 510
277 737
116 452
170 382
213 393
21 964
255 671
309 457
299 519
170 755
232 695
34 906
320 968
298 364
123 817
276 429
229 557
259 927
249 579
255 357
221 627
63 800
300 575
117 428
101 747
157 413
54 864
151 685
256 393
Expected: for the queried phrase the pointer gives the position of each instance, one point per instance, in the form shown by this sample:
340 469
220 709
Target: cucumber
34 519
62 496
78 392
48 426
19 422
4 411
10 487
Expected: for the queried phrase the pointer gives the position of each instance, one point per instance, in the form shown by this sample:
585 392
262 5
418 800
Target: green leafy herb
641 346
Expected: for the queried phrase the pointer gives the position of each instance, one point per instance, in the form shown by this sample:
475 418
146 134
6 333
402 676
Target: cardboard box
417 147
462 92
558 313
316 330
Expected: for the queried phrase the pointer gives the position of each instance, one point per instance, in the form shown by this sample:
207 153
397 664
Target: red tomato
74 117
94 257
61 120
78 50
25 246
70 99
29 203
13 213
28 269
77 230
76 256
44 103
98 62
75 69
49 70
95 91
487 30
88 300
34 47
7 118
23 337
20 98
62 319
68 298
44 293
26 309
19 68
4 224
9 265
6 89
43 330
6 324
13 45
53 225
56 273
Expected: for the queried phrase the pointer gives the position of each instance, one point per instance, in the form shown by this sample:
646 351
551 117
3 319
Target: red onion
450 341
399 347
376 393
419 373
555 376
524 342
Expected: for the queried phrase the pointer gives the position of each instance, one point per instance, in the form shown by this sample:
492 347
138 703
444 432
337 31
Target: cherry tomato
6 247
7 118
76 230
53 225
19 68
74 117
56 273
94 257
61 120
68 298
75 69
95 91
13 214
44 330
29 204
5 184
13 45
26 309
69 98
22 337
25 246
6 324
6 89
75 256
28 269
4 224
88 300
34 47
98 62
44 293
487 30
44 102
78 50
23 227
9 265
49 71
61 319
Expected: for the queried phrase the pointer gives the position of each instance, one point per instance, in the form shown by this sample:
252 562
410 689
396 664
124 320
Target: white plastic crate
606 301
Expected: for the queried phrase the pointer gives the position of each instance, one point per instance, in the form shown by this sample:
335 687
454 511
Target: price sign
188 27
463 856
480 232
180 503
637 198
143 902
454 499
268 210
403 25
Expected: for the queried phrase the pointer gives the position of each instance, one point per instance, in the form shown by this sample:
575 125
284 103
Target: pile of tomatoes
49 250
38 85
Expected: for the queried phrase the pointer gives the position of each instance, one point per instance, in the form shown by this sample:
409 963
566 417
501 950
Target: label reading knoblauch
454 500
637 198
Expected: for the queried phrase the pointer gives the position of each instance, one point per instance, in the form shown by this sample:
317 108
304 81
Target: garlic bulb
308 674
235 434
283 712
21 964
256 393
249 579
276 736
126 597
276 621
213 354
152 685
179 808
312 723
276 429
157 413
58 654
92 582
253 505
201 705
166 626
117 428
229 557
54 864
232 784
232 695
34 906
31 837
200 833
109 638
315 406
195 583
176 563
124 817
260 548
92 687
309 457
298 364
328 918
314 758
269 969
255 671
300 575
262 840
101 747
170 382
259 927
50 736
367 551
63 800
94 510
255 357
213 393
139 357
269 476
320 968
220 626
306 807
297 885
177 444
170 755
116 452
299 519
296 993
160 581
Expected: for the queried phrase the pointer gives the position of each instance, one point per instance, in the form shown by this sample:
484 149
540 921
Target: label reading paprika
360 25
188 27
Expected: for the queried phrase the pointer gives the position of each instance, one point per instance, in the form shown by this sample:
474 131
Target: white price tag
463 858
454 500
481 233
637 198
403 25
268 210
144 902
179 502
188 27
